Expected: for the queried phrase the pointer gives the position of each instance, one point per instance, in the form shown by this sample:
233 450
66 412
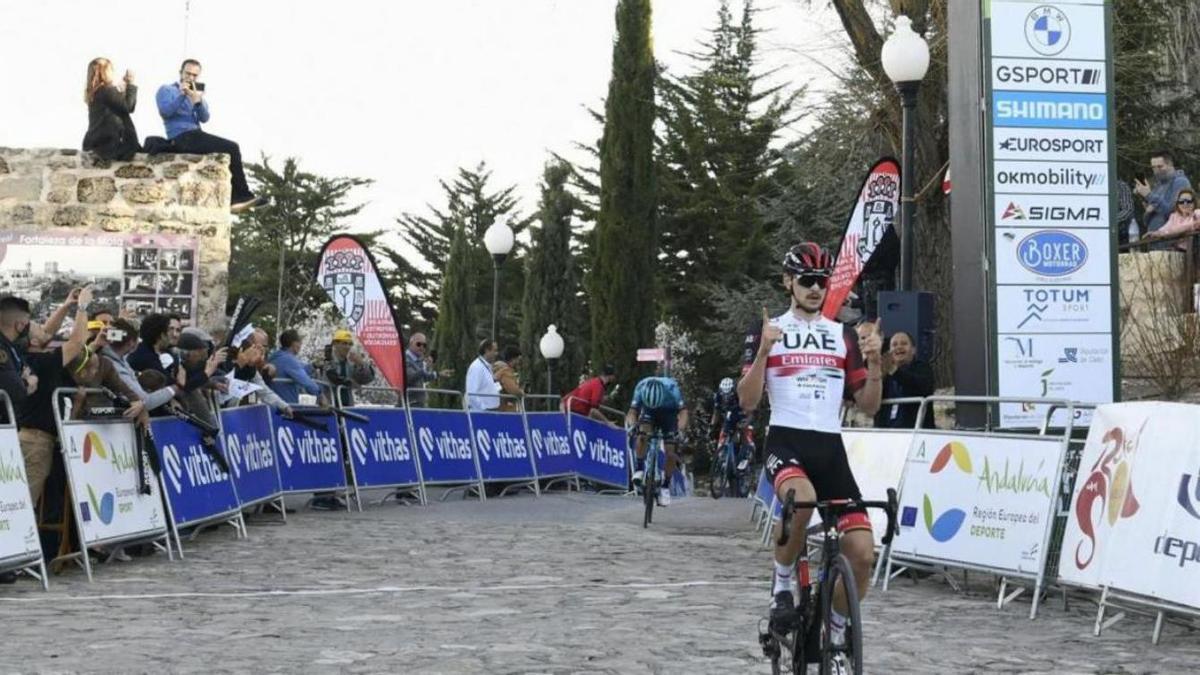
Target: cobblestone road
562 584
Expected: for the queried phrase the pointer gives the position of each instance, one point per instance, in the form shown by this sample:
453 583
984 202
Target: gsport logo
1047 30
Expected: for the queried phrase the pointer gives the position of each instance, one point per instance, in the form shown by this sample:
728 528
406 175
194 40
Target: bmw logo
1047 30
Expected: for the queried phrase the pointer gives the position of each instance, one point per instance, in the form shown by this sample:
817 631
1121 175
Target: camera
199 86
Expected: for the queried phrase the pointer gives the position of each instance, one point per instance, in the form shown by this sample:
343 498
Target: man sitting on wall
183 108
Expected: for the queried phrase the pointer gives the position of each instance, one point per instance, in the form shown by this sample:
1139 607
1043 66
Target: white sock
837 625
783 578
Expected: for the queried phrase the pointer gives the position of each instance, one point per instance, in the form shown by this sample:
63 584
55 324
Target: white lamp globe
905 54
551 344
498 238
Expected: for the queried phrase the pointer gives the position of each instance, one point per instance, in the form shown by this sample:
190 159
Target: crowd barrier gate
551 443
1037 574
457 479
112 444
359 448
23 550
256 483
494 467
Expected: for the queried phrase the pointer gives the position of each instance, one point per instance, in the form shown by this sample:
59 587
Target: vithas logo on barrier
250 453
446 452
380 448
197 488
600 451
502 447
551 443
311 458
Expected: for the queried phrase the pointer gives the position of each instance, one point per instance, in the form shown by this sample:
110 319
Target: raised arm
74 345
171 101
55 322
754 373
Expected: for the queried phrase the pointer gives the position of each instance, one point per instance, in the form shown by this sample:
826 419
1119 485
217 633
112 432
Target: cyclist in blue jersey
657 405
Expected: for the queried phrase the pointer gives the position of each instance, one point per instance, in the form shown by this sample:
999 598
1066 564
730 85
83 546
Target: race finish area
564 583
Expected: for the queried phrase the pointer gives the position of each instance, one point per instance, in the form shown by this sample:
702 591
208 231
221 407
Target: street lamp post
905 58
551 346
498 239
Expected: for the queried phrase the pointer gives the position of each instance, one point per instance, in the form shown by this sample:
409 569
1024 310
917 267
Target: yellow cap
343 335
95 324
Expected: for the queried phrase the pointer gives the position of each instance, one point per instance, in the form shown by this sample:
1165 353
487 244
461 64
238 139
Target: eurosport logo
1052 253
1051 110
1047 30
1039 178
1055 210
1067 145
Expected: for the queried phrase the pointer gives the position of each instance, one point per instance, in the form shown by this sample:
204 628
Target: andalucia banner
348 273
874 213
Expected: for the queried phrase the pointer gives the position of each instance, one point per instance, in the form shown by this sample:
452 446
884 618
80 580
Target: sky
402 92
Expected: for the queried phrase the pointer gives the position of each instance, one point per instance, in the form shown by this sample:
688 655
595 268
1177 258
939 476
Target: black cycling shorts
821 458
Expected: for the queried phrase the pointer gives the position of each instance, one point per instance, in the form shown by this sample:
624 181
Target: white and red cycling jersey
810 371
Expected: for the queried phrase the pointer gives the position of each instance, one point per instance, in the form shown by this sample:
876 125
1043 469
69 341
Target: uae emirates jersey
810 371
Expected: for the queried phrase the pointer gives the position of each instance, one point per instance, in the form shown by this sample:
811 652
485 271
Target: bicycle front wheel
650 484
850 651
717 477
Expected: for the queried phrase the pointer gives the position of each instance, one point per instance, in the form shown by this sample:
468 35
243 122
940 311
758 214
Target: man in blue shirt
657 404
288 366
183 108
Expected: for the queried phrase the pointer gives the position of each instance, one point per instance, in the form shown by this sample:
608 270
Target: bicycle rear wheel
851 649
650 483
716 474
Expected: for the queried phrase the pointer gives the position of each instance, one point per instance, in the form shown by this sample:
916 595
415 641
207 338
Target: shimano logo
1052 253
380 446
1089 146
1049 75
503 445
1025 109
1063 177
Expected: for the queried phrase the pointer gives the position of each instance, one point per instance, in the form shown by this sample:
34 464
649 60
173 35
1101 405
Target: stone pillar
50 189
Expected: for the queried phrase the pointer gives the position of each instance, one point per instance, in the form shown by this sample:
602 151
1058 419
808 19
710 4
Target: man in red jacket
586 398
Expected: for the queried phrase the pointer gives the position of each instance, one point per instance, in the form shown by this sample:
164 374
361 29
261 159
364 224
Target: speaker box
911 312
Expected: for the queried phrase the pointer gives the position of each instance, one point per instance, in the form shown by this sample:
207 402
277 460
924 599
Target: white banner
102 469
877 460
979 500
18 529
1134 522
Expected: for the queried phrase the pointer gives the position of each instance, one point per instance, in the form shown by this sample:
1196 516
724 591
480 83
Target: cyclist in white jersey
808 364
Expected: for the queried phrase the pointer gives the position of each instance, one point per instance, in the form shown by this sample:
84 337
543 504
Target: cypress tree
621 285
455 333
552 286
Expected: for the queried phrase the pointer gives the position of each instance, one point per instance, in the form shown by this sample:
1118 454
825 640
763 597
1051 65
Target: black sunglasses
808 280
419 344
1186 201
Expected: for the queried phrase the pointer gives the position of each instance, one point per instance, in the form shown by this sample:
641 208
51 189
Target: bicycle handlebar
836 506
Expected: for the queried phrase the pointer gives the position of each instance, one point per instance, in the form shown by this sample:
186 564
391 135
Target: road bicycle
727 476
804 636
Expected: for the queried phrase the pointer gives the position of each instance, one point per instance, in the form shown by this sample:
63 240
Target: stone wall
1155 310
63 190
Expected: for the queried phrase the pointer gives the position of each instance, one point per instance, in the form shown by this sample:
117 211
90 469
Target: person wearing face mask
15 377
904 376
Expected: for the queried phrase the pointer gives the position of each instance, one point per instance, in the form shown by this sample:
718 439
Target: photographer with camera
121 339
183 109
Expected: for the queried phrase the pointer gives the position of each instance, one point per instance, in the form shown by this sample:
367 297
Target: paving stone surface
561 584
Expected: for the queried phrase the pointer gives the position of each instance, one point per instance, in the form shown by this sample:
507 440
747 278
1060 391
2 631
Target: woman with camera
111 133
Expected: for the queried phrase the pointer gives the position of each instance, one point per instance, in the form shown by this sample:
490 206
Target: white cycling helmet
726 385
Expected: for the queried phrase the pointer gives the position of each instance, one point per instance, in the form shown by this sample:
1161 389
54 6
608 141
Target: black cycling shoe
783 611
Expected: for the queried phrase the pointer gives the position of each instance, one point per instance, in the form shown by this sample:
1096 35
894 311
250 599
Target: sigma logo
1042 213
1052 253
173 466
1047 30
287 444
1049 75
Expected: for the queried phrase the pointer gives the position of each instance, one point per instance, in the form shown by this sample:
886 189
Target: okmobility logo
941 527
1109 482
1052 253
381 446
313 447
1064 177
104 506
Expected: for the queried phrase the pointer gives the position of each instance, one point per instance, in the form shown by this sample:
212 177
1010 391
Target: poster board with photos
141 273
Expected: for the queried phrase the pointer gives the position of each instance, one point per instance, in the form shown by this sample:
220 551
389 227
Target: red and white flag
874 213
348 273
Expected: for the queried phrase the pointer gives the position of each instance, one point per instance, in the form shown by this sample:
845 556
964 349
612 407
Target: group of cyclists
807 365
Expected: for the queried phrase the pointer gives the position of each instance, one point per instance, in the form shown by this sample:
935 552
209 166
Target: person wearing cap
197 364
586 398
346 367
